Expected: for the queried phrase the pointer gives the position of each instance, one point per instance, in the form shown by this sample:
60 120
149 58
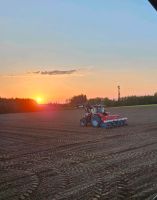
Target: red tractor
98 117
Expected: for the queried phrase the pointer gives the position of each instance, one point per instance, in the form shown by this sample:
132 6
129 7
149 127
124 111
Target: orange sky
91 82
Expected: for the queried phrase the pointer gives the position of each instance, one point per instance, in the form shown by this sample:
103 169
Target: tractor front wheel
83 122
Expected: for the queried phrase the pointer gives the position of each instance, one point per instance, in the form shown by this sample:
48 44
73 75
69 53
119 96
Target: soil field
47 156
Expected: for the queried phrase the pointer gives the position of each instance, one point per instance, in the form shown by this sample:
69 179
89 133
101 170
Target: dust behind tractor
98 117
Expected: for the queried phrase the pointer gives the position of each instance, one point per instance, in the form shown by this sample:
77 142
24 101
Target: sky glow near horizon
55 49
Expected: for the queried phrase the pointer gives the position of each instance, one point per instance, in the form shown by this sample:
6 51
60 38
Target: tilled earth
47 156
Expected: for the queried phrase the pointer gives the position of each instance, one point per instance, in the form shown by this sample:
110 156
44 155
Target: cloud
75 72
55 72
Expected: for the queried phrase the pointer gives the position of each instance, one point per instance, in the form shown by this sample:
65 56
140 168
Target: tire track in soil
118 189
20 187
52 180
123 192
91 156
25 190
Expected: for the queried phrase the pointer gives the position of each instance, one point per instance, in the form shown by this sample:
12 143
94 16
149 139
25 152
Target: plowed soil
48 156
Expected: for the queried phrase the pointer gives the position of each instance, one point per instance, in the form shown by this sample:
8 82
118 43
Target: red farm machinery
98 117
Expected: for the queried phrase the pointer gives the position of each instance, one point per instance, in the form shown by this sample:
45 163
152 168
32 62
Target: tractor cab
99 109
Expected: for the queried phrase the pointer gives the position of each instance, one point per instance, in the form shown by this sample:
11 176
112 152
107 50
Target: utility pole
118 93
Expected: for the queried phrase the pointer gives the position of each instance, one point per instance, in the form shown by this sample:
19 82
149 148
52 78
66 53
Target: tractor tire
83 122
96 121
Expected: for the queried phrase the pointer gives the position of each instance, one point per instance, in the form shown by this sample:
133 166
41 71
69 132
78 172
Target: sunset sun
39 100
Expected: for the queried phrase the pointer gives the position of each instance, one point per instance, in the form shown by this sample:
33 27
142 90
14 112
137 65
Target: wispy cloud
55 72
76 72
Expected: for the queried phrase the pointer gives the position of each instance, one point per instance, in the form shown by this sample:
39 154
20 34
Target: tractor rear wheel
96 121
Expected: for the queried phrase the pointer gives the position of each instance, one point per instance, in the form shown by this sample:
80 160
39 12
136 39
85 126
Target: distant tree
138 100
78 100
155 94
108 102
126 101
17 105
97 100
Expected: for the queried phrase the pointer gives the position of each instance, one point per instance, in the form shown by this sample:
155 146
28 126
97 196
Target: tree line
29 105
17 105
124 101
